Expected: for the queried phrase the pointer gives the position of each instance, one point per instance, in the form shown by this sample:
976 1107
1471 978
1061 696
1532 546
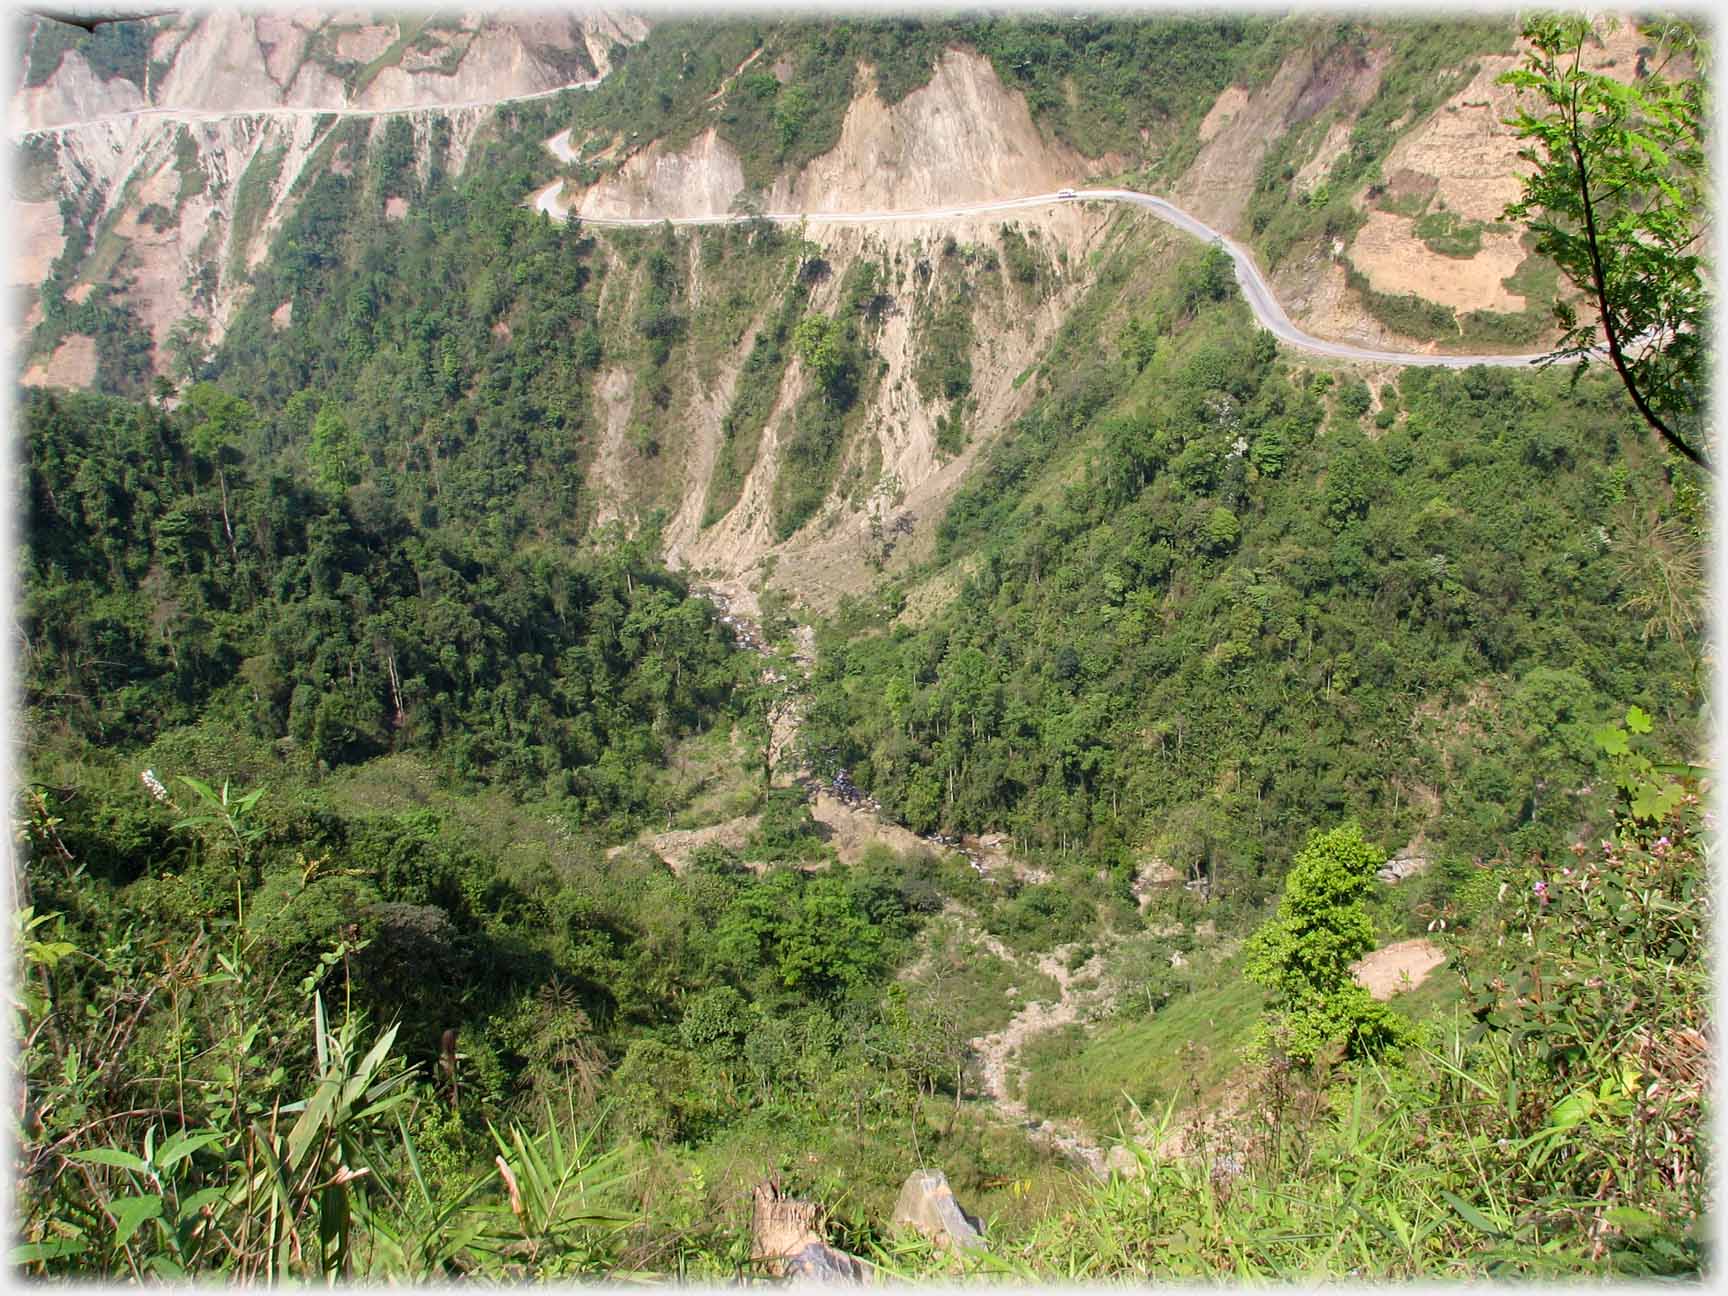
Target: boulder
1121 1161
819 1262
1398 868
927 1204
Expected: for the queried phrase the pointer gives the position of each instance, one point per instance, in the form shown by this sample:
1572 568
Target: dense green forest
340 949
1210 601
169 584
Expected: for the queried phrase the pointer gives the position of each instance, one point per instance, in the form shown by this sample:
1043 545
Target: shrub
1304 954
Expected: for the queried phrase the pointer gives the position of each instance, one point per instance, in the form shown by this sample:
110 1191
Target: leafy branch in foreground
1619 196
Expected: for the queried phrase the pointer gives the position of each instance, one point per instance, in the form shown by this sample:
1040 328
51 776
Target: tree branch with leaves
1619 200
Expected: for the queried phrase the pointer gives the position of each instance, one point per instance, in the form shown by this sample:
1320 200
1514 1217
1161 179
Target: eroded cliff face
1242 126
962 138
1459 161
184 174
894 476
229 61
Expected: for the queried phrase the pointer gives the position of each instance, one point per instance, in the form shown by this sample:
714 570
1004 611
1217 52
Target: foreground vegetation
276 1133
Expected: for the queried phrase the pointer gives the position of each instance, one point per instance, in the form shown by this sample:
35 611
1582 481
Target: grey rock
819 1262
927 1204
1122 1161
1401 867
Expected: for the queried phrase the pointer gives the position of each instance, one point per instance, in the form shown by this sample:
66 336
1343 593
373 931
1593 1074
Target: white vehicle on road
1065 193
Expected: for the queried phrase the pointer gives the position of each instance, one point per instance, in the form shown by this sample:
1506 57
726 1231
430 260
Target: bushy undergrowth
1553 1127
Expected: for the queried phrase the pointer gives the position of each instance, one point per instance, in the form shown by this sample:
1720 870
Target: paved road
1255 290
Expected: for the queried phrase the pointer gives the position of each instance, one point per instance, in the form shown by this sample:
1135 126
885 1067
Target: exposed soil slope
964 137
1243 125
827 558
1398 967
222 129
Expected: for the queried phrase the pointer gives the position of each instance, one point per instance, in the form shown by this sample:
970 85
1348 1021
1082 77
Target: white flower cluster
153 786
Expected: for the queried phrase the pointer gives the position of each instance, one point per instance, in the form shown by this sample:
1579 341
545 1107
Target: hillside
178 186
181 145
627 609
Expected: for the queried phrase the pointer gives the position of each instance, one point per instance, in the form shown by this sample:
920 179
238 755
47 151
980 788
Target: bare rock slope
962 138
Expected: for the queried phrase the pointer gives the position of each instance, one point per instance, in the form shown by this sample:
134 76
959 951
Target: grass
1447 234
408 31
1404 313
35 169
1537 280
1412 204
522 837
1433 1000
1431 60
106 257
1075 375
1185 1052
753 400
945 335
853 1160
193 180
1028 267
811 442
715 776
741 272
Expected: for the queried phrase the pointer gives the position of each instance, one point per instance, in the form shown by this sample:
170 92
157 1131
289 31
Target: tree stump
786 1239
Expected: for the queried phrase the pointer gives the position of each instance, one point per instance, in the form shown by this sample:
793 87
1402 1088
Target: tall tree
1619 200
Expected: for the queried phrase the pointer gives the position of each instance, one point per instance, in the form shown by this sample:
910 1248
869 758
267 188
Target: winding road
1255 290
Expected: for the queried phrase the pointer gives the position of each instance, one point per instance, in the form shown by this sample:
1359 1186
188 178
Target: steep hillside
1353 158
158 162
962 137
169 153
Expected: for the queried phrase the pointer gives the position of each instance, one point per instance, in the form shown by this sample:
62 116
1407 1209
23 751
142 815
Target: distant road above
1255 290
285 110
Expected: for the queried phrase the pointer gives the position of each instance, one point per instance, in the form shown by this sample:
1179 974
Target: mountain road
1255 290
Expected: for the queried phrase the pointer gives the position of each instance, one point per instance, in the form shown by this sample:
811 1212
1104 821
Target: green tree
334 450
828 946
1618 200
221 422
821 345
792 109
1222 530
1303 955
